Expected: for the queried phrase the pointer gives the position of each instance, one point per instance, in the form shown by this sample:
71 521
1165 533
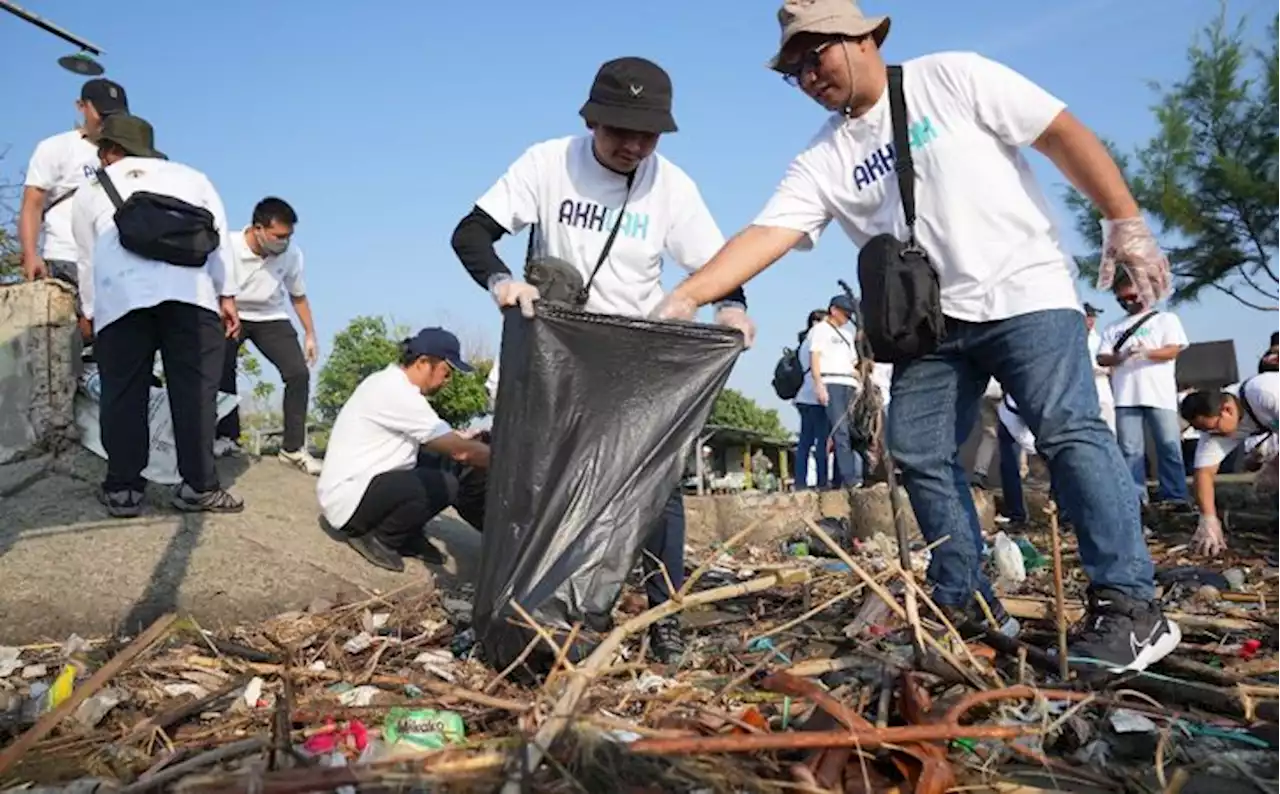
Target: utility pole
80 63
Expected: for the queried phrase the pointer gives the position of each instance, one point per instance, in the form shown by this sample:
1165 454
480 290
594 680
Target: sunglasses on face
806 63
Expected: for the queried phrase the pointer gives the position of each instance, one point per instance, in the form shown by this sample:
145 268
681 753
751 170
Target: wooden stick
539 630
890 601
14 752
825 605
1059 591
728 544
585 673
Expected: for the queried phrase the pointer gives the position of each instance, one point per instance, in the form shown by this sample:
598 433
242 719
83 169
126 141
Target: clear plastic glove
1129 243
509 292
1208 539
735 316
674 307
1267 481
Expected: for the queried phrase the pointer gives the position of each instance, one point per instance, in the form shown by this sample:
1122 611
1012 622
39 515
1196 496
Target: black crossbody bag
901 297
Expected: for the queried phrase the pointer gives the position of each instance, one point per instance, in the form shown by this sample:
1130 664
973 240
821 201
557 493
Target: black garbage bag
594 417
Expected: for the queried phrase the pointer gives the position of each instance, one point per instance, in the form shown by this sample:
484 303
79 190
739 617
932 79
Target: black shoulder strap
1131 330
1244 401
608 244
110 187
59 200
903 163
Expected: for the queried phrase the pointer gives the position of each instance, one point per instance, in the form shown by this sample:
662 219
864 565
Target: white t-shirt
981 215
837 358
882 377
1139 382
264 282
60 163
560 186
1101 375
807 395
379 429
1263 394
113 281
1007 411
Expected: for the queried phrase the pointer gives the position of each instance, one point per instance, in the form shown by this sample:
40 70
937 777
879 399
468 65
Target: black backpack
162 228
901 298
788 375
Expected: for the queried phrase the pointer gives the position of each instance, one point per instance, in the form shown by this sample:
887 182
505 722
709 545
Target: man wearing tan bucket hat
997 294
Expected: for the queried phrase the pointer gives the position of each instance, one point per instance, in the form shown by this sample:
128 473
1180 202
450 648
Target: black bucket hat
631 94
130 133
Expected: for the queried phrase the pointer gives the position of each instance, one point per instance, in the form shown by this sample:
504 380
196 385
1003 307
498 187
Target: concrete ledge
37 367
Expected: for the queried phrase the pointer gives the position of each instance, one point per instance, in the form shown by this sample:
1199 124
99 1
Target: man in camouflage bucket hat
1007 292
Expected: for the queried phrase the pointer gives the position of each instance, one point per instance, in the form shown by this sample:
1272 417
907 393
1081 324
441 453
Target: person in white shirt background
1101 374
833 366
1007 290
269 267
608 206
1144 381
60 165
137 306
814 427
1240 413
393 463
987 445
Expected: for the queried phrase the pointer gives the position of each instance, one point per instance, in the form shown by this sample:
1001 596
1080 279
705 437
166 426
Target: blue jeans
1015 506
1131 422
666 543
814 429
1042 360
848 460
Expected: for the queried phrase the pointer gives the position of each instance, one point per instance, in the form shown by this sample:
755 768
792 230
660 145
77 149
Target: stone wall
37 368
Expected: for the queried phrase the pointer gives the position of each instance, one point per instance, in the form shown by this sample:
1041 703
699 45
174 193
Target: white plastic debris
318 666
360 696
1009 559
253 692
434 656
359 643
33 671
9 660
372 621
74 644
94 710
650 683
1126 721
178 690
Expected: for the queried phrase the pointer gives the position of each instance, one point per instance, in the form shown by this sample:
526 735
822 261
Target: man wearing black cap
1101 374
606 208
377 487
833 360
60 165
138 305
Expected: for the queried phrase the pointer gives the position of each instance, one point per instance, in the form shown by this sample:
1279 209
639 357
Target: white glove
674 307
1129 243
506 291
1208 539
734 315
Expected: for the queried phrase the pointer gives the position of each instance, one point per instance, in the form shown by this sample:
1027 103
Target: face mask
1130 306
272 247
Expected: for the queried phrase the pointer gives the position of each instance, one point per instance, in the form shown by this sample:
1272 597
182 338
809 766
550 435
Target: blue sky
382 128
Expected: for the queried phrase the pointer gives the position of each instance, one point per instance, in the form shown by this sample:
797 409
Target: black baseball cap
438 343
1091 310
631 94
105 95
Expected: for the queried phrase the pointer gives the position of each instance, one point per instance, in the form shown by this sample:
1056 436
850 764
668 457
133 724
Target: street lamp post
80 62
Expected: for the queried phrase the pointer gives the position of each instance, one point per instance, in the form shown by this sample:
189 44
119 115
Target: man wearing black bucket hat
991 291
603 209
138 305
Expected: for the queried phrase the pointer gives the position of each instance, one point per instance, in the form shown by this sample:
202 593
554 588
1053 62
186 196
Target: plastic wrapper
594 418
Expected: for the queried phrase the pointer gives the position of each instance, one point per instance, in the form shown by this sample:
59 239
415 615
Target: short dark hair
1122 280
1275 338
271 210
408 358
1202 405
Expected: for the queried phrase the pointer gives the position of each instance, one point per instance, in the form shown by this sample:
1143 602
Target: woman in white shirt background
814 427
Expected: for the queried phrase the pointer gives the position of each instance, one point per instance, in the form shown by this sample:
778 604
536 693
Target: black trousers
397 504
277 341
191 344
666 543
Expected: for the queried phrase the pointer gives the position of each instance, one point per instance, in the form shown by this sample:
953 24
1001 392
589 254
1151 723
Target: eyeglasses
806 63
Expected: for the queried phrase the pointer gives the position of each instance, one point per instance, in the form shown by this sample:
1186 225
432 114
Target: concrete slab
67 567
37 367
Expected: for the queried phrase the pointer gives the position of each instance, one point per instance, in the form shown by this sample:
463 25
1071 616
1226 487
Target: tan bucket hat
831 17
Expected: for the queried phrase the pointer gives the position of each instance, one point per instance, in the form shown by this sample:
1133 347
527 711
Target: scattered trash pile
806 671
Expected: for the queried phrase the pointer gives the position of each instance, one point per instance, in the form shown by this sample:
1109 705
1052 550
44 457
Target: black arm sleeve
737 296
473 241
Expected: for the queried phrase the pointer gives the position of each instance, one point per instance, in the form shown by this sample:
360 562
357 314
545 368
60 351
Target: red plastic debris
1249 648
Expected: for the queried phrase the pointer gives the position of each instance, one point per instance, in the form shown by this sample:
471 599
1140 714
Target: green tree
10 252
1208 177
734 409
369 344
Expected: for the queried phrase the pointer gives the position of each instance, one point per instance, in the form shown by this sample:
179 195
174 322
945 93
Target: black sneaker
1124 634
189 500
979 481
666 642
971 622
371 547
124 503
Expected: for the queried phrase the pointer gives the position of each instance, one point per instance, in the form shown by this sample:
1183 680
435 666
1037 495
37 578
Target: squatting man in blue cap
604 208
1007 292
393 464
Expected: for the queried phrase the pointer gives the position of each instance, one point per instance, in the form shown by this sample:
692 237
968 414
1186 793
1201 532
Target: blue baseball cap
844 303
439 343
